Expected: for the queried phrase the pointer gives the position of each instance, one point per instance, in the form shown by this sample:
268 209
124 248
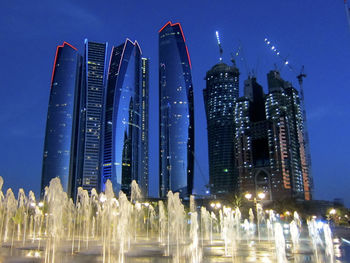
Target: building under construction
257 143
269 141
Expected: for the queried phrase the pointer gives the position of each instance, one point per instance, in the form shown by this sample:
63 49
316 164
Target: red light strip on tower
54 65
168 23
188 56
183 37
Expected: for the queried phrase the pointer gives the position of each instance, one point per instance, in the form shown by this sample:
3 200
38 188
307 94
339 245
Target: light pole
261 196
332 212
214 206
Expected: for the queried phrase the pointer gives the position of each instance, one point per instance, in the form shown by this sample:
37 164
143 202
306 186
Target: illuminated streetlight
215 205
261 195
41 204
333 211
248 196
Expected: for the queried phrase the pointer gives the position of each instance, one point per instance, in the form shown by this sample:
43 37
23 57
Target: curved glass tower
220 96
122 135
176 115
61 125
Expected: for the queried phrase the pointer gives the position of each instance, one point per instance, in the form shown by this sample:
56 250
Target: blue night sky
310 33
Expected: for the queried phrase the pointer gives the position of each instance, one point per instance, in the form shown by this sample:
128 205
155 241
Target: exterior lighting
41 204
212 205
218 205
261 195
248 196
333 211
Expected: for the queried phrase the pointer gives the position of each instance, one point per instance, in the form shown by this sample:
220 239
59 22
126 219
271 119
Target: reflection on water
150 251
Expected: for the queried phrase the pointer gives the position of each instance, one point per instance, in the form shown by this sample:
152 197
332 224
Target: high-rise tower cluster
255 141
97 124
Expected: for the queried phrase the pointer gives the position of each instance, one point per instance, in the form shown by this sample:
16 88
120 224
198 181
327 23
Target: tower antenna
219 44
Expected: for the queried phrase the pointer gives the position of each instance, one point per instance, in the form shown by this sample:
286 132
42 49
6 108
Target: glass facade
176 115
61 124
220 96
91 115
144 126
123 118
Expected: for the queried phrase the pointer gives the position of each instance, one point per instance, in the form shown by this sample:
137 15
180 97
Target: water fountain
108 228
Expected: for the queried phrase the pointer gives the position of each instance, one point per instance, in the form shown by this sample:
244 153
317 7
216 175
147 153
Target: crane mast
300 78
219 44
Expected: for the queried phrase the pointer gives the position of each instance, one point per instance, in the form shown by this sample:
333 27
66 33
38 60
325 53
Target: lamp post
261 196
332 212
214 206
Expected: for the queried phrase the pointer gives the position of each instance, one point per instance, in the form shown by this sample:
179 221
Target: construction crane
278 54
235 54
219 44
300 78
347 11
239 52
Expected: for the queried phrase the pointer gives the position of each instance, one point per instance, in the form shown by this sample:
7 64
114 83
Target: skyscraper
125 121
91 115
252 140
284 109
144 126
176 114
61 125
269 148
220 95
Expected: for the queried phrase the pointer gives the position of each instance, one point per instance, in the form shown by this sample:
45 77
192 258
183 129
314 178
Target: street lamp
332 212
248 196
261 196
215 205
